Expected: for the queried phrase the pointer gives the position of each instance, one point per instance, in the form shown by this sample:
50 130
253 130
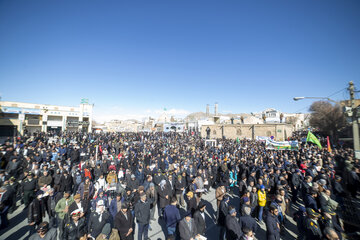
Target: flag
237 140
328 144
312 138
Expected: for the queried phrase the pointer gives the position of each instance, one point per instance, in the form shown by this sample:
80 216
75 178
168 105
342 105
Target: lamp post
355 125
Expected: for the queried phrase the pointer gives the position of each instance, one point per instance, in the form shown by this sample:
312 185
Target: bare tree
326 117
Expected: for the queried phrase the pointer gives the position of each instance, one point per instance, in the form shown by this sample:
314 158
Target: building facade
280 131
19 118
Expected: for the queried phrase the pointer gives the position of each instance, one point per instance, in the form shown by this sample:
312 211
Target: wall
233 131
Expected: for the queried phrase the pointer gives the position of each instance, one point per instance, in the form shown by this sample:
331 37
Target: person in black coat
66 182
223 211
247 221
97 220
124 223
35 212
199 218
233 229
180 185
76 228
142 214
272 224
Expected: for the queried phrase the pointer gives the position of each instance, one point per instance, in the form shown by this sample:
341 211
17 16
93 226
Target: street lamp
355 126
324 98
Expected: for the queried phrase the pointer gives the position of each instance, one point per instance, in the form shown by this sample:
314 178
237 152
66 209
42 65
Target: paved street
19 230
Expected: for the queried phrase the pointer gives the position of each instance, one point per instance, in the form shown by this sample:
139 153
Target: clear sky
133 58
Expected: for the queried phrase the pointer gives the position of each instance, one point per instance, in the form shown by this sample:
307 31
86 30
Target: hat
262 187
75 212
132 176
100 203
40 192
152 184
201 204
311 212
77 196
322 182
328 210
188 214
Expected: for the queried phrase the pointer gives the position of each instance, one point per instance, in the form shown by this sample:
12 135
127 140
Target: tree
328 118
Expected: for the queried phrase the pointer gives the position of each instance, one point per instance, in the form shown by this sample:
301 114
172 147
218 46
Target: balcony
32 122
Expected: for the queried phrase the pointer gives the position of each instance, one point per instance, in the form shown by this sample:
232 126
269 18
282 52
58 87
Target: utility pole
354 119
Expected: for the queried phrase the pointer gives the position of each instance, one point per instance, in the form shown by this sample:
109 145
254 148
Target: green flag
237 140
311 138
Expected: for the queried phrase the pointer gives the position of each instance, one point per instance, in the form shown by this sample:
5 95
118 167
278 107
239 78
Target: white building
19 117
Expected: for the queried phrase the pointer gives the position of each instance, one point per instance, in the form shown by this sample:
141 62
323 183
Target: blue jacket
233 176
171 216
113 207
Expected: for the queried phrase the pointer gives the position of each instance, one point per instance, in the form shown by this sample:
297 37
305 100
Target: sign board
84 101
286 145
211 143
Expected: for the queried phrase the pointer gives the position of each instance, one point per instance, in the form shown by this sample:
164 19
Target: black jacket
179 185
95 226
233 229
73 232
200 222
66 183
35 212
224 209
123 224
248 222
29 185
142 212
273 232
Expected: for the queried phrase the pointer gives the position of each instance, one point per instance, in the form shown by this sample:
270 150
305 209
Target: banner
261 138
286 145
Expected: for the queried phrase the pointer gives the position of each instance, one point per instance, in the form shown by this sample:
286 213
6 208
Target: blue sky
133 58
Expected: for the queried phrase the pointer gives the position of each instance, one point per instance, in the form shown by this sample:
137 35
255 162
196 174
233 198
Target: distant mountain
201 115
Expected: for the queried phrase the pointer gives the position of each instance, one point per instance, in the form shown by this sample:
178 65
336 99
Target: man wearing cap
331 220
97 220
233 229
44 232
76 228
78 205
187 228
262 201
312 227
124 223
28 188
199 218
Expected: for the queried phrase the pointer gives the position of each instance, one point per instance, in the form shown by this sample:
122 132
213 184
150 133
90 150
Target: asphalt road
19 229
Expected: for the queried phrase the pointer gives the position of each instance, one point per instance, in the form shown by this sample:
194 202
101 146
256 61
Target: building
280 131
19 118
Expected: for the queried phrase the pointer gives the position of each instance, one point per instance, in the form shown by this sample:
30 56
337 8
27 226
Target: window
268 133
238 131
214 131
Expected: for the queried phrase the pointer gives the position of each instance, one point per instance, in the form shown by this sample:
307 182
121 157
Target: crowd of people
98 186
